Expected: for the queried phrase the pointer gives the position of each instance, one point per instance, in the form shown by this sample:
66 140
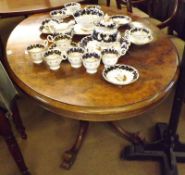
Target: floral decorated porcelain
110 56
86 18
36 52
47 25
140 35
91 61
74 55
63 42
103 41
72 7
106 33
57 27
120 74
53 58
59 14
89 44
121 20
92 6
106 30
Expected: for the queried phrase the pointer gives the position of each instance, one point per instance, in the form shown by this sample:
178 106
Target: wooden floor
49 135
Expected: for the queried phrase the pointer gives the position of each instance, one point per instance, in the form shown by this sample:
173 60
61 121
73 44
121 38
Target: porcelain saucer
120 74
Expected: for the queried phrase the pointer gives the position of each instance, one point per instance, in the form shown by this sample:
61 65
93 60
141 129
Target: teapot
106 31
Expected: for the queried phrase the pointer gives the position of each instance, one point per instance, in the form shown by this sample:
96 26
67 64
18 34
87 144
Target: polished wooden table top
22 7
74 93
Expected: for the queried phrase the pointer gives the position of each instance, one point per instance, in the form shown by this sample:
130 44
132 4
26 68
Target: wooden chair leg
108 3
6 132
17 119
70 155
118 4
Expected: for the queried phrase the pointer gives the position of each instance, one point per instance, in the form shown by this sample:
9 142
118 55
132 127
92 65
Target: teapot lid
107 22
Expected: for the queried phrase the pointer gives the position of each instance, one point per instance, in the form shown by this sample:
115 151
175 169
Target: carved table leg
131 137
17 119
69 156
6 132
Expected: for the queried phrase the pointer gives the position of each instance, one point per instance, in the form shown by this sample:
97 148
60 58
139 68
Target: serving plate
120 74
121 20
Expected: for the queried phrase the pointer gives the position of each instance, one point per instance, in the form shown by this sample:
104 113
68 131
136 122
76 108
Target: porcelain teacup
36 52
59 14
75 56
72 7
110 56
63 42
91 61
53 58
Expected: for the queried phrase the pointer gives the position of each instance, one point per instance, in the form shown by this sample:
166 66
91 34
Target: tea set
101 41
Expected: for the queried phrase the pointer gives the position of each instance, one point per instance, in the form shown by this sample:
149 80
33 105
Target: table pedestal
70 155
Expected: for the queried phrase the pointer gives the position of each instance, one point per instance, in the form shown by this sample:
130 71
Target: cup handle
64 56
50 38
45 43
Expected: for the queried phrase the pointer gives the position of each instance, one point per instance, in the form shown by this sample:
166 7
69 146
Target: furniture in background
166 148
22 8
9 109
153 10
97 101
108 3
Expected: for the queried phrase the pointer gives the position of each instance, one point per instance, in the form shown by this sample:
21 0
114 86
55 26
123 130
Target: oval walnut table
22 7
75 94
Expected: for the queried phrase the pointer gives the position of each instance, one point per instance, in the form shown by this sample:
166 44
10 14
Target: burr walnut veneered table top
75 94
24 7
